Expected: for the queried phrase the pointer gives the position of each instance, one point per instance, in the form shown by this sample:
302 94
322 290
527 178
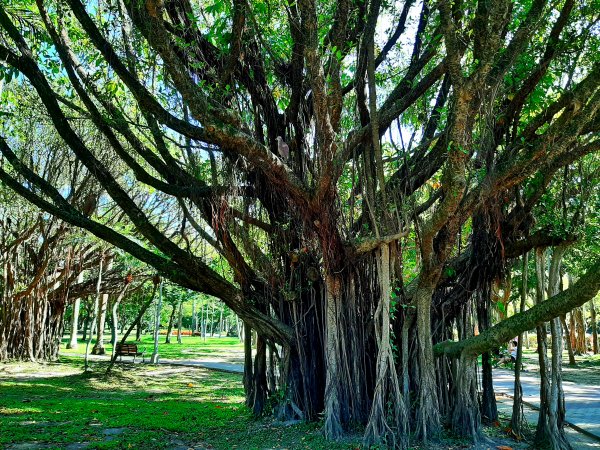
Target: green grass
227 349
146 407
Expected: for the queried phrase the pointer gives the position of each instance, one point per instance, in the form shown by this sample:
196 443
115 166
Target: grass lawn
58 406
227 349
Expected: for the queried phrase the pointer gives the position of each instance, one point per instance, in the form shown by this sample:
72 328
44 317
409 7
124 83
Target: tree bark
428 421
517 419
154 358
567 339
74 324
179 321
115 318
171 322
550 428
103 306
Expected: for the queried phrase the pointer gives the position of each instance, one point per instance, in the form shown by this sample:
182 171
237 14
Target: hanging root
386 426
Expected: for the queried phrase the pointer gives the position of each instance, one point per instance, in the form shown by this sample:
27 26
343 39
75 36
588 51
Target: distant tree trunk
138 331
271 382
581 347
567 339
98 348
115 318
154 358
212 318
135 323
74 324
103 306
516 423
594 326
95 313
179 321
572 334
75 318
170 326
194 318
204 323
248 372
86 322
240 329
221 321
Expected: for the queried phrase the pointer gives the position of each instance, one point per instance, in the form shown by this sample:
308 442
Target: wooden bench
127 349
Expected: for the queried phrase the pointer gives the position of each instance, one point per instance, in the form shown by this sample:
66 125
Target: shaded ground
150 407
56 406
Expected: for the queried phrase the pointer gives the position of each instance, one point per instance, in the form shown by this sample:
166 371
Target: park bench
129 350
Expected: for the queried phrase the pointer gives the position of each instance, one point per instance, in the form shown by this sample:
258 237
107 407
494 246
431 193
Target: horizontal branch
584 290
367 245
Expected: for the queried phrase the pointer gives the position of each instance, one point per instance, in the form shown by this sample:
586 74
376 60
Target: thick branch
581 292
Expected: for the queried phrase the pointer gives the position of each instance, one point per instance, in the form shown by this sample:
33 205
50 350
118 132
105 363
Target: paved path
207 364
582 401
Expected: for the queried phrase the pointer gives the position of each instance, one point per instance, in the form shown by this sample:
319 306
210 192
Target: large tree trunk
465 416
428 421
333 419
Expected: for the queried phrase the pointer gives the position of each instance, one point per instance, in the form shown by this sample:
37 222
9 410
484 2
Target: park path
582 401
212 364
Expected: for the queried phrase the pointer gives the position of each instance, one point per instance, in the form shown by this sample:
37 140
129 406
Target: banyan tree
351 178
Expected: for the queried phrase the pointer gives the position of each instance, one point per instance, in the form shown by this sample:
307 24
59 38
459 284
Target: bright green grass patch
192 347
137 407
